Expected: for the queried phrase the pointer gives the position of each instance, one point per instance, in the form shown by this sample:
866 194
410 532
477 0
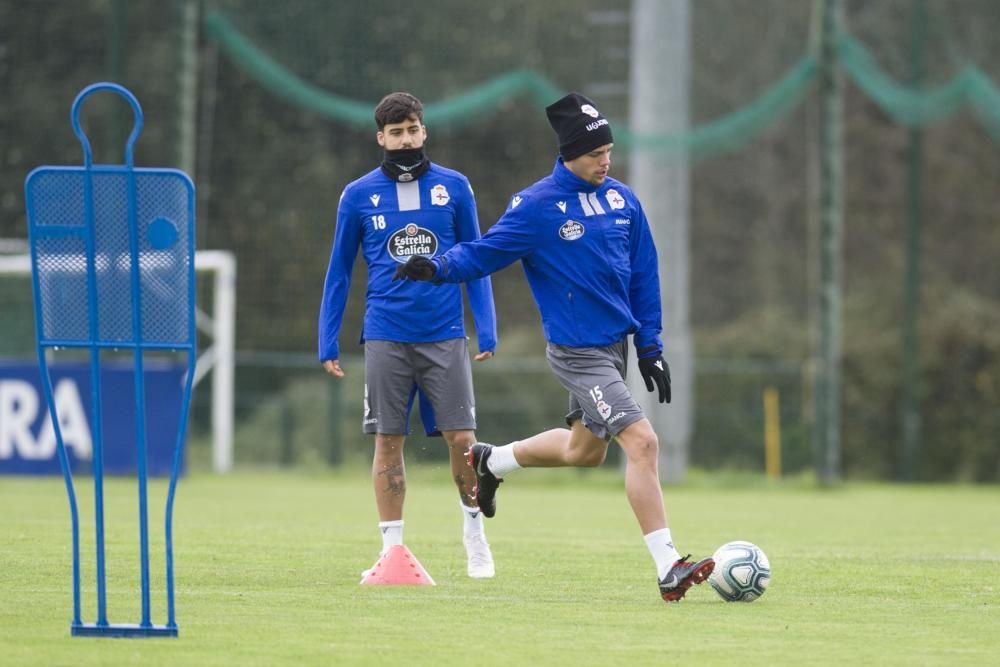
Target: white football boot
480 559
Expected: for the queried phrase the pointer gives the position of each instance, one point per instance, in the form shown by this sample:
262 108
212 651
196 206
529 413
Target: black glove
417 267
655 369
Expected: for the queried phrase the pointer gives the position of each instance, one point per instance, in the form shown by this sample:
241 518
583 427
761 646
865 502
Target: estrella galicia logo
412 240
571 230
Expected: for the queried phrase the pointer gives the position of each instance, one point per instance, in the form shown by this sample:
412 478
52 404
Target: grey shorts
394 371
595 380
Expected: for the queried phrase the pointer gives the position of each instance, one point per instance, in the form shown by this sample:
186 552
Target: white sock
661 546
473 521
392 533
502 462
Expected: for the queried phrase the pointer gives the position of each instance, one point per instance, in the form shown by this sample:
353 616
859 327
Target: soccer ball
742 572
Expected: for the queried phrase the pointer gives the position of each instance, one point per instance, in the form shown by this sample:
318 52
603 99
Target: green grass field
267 571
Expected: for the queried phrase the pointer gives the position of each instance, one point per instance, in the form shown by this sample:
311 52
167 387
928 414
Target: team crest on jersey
571 230
615 200
375 198
412 240
439 195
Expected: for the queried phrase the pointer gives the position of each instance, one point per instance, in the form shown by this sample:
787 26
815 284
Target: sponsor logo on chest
571 230
412 240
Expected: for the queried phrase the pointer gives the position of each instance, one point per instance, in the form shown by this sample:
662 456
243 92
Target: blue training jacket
588 256
391 221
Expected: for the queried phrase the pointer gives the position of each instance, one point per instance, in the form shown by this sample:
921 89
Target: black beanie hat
579 125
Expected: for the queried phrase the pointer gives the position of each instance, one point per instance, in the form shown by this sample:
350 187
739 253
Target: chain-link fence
273 156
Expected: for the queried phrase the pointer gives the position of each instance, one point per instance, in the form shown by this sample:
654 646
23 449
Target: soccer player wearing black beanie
579 126
589 258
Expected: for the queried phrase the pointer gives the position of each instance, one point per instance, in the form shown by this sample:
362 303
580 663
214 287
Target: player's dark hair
398 108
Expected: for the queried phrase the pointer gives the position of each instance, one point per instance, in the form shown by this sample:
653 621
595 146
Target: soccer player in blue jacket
591 264
414 333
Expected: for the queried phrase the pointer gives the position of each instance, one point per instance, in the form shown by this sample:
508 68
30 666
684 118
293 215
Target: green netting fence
914 108
905 104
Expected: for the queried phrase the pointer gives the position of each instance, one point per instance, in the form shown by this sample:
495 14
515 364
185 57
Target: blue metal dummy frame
50 189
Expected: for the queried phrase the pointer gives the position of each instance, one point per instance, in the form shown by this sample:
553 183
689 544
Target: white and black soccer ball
742 572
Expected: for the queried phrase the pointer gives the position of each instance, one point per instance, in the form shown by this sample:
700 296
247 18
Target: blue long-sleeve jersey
391 221
588 256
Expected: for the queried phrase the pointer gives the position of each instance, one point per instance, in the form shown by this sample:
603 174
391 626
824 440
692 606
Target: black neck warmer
405 164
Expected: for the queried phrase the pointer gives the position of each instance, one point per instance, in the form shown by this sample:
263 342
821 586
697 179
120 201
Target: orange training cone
397 567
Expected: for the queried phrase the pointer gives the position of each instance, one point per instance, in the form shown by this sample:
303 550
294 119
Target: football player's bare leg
559 447
464 476
642 479
389 476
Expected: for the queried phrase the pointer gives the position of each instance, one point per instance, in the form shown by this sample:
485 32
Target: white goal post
218 357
